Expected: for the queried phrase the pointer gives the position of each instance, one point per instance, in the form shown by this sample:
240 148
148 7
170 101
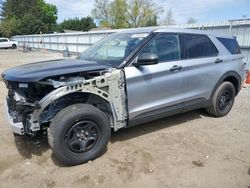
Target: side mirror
147 59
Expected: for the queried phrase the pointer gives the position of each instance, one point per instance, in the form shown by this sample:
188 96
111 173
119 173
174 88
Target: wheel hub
82 136
225 100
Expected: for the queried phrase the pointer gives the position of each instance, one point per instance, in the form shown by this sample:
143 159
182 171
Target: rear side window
231 45
196 46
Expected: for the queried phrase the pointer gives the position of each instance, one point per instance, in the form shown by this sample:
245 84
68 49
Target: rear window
231 45
197 46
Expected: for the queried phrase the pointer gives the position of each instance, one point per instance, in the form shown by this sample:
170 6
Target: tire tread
212 110
68 112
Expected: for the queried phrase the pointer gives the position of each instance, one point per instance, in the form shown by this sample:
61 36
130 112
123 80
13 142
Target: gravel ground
187 150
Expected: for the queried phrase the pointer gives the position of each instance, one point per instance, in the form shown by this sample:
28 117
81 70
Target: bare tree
169 20
102 11
191 20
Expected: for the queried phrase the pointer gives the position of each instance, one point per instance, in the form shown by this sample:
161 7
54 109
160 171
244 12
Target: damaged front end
32 106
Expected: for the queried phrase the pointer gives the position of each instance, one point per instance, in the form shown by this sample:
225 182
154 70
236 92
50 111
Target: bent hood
37 71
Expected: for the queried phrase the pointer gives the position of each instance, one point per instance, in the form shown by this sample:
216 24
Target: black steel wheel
79 133
225 100
82 136
222 100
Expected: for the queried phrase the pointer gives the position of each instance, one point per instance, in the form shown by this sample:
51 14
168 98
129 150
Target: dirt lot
188 150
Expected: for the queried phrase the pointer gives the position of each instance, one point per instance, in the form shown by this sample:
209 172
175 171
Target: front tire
79 133
222 100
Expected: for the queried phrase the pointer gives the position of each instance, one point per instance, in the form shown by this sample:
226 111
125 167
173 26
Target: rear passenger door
200 67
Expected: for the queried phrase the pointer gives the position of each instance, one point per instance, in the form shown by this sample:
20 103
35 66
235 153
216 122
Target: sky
202 10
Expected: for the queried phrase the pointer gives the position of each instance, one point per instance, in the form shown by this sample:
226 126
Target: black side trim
156 114
169 111
224 77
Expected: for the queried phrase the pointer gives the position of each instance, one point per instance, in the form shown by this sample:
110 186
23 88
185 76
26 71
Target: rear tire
79 133
222 100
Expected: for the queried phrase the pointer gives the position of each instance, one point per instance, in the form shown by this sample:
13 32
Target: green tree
48 15
191 20
126 13
142 13
31 17
118 10
152 21
83 24
9 27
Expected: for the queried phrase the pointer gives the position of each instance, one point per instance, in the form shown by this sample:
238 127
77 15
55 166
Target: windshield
113 49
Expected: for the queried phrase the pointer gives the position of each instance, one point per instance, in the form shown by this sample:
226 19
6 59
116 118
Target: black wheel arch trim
224 77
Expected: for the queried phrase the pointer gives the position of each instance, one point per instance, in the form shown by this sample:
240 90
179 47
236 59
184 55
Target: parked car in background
126 79
8 43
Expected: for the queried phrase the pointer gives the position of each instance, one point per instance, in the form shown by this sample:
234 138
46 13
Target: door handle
175 68
218 60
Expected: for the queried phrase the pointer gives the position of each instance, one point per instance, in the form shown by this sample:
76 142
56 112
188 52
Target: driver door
156 90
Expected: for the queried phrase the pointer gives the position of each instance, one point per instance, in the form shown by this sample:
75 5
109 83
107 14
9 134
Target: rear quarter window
231 45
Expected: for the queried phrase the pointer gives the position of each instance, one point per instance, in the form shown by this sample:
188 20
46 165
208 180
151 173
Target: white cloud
72 8
182 9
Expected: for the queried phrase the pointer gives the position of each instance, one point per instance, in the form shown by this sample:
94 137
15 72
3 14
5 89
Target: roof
165 29
192 31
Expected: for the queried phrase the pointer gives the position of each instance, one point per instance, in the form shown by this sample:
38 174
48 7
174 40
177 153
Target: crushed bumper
16 127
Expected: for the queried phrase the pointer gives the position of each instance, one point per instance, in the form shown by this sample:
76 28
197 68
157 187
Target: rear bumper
16 127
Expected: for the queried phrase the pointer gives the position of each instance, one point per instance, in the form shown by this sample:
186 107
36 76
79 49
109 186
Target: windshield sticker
140 35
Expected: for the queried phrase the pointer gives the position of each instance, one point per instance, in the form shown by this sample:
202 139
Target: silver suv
128 78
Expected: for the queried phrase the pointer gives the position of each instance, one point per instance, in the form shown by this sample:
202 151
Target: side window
3 40
196 46
166 46
231 45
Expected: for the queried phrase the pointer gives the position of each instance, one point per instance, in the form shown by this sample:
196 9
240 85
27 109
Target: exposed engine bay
32 106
